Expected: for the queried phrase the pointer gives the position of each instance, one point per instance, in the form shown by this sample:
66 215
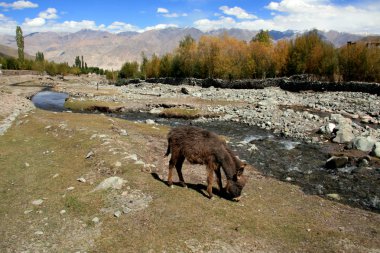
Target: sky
354 16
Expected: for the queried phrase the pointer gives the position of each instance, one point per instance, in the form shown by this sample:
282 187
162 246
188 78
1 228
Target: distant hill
11 52
110 51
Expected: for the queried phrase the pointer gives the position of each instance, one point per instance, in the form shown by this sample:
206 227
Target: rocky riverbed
309 116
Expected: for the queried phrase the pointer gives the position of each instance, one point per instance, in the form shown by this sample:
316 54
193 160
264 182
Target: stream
282 158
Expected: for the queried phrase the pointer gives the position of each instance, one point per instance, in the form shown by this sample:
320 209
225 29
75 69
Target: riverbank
53 161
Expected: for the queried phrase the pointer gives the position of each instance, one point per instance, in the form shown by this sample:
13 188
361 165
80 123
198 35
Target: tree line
229 58
41 65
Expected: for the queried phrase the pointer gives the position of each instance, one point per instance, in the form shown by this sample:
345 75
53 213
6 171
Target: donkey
199 146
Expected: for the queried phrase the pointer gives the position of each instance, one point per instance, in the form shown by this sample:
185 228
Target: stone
118 164
156 111
27 164
327 129
363 143
81 179
70 188
132 157
95 220
336 162
62 212
185 91
344 135
111 182
335 196
90 154
150 122
123 132
37 202
38 233
117 214
376 149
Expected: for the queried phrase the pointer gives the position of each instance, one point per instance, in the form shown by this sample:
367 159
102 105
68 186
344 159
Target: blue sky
117 16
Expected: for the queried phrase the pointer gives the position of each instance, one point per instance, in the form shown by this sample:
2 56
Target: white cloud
302 15
222 22
162 10
19 5
50 13
237 12
158 27
34 22
7 25
323 15
120 27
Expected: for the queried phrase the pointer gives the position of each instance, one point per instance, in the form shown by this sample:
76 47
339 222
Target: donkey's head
236 185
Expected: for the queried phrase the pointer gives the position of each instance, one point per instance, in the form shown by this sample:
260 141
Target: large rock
345 131
111 182
376 149
336 162
344 135
363 143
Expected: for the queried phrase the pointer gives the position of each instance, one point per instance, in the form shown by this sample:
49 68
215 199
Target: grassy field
44 153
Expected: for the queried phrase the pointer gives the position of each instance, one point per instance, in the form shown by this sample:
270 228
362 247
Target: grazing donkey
199 146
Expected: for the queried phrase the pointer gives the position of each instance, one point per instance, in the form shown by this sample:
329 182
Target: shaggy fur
199 146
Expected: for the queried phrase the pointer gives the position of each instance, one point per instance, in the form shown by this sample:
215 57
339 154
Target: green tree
20 43
129 70
40 56
263 37
78 62
144 62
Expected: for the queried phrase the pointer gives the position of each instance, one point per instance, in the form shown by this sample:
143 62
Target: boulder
376 149
336 162
111 182
327 129
363 143
344 135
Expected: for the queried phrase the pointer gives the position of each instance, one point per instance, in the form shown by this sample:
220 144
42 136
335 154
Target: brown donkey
199 146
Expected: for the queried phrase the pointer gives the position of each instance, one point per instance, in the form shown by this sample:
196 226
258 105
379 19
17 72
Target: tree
78 62
82 66
20 43
144 62
263 37
129 70
40 56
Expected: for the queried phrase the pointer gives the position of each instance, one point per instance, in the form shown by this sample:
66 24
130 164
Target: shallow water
285 159
49 100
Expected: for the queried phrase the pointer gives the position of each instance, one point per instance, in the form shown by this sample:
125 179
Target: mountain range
109 51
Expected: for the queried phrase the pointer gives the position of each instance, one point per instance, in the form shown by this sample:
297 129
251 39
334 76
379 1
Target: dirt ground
50 164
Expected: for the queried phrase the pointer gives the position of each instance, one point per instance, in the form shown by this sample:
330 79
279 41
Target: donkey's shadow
200 188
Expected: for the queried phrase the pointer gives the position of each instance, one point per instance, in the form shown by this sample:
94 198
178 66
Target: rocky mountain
110 51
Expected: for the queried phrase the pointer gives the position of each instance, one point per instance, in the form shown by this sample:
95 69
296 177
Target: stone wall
7 72
294 84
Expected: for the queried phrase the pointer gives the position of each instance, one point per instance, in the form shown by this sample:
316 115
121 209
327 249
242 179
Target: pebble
62 212
70 188
81 179
90 154
95 220
38 233
27 164
117 214
37 202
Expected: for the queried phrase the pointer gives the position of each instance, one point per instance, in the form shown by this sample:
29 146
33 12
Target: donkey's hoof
183 184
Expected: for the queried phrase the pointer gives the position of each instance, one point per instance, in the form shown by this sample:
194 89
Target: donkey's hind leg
178 166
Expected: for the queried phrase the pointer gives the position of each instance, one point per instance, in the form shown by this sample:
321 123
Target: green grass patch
91 105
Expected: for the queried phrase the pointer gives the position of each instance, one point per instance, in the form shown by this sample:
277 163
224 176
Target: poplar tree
20 43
